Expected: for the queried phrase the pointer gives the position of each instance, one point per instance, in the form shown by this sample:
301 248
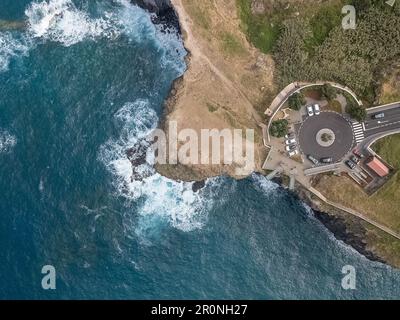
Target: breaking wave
263 184
10 47
63 22
158 199
7 141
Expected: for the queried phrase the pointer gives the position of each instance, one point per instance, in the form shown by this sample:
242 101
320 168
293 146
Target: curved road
291 89
391 121
340 126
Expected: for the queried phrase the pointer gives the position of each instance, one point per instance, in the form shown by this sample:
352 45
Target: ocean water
84 82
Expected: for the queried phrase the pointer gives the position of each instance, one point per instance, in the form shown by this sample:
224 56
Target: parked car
378 116
317 109
293 153
351 164
290 141
290 148
357 153
310 111
326 160
355 159
313 160
289 136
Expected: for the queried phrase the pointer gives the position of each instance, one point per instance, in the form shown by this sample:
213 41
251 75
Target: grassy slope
264 30
323 51
383 207
389 149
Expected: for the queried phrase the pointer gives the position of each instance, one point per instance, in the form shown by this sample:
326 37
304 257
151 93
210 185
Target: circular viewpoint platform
328 135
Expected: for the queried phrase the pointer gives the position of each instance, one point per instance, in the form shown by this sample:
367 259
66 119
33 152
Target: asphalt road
326 120
389 123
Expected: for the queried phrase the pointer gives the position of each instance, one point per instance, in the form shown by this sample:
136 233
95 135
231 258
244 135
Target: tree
296 101
326 137
279 128
356 111
354 58
328 92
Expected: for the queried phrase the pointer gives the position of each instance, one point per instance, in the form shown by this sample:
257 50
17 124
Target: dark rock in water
352 234
354 238
137 157
198 185
164 13
156 6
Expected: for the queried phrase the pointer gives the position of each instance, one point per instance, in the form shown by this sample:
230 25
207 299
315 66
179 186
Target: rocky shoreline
344 229
164 13
351 233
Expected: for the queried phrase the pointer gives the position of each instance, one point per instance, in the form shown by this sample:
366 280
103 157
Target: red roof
379 168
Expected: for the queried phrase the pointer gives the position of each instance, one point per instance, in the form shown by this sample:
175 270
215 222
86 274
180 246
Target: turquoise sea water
82 84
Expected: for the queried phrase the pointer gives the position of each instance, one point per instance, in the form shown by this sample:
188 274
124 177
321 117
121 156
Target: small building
378 167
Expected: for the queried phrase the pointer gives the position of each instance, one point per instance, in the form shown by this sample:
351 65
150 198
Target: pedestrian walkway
358 130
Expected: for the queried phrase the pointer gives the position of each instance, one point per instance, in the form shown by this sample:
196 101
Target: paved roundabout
328 135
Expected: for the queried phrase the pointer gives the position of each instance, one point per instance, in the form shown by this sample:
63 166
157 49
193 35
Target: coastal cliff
223 87
228 84
164 12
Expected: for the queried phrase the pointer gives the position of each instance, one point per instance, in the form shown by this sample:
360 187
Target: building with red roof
378 167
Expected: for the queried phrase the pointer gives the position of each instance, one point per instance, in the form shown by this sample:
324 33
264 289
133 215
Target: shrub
279 128
328 92
357 112
296 101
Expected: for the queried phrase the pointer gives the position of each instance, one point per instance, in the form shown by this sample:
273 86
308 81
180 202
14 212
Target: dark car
378 116
351 164
355 159
358 154
327 160
313 160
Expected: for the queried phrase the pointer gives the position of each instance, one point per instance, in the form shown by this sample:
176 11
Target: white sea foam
7 141
61 21
158 198
135 22
138 26
11 47
264 184
173 50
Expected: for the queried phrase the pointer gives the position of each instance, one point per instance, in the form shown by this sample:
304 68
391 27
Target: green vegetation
328 92
211 107
313 46
323 22
389 149
335 106
279 128
296 101
263 30
357 112
231 45
313 92
290 53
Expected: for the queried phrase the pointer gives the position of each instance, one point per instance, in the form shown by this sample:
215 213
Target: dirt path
197 55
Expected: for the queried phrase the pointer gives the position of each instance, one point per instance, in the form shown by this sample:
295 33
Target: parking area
326 136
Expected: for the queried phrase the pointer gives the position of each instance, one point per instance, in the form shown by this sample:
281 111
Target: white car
310 111
293 153
317 109
290 142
